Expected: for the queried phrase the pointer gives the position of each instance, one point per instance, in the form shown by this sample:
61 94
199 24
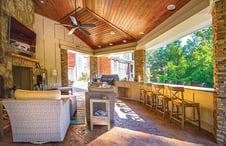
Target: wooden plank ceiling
126 18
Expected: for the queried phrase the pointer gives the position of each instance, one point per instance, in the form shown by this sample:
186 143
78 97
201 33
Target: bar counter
131 90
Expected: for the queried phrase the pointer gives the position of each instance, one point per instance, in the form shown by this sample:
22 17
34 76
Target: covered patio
116 28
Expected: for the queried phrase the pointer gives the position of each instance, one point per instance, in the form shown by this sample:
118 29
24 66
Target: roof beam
106 21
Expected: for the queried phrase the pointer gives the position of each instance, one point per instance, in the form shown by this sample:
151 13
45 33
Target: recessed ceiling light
99 46
141 33
171 7
110 44
42 1
124 41
112 32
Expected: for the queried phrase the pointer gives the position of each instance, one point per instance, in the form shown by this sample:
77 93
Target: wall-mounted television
21 37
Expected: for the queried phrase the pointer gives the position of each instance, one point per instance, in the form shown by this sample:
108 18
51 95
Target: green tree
191 62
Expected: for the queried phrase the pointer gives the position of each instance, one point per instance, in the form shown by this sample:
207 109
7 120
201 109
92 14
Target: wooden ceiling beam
81 3
74 11
106 21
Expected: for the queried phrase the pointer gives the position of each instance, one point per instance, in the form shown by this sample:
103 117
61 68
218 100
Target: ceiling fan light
110 44
42 1
171 7
99 46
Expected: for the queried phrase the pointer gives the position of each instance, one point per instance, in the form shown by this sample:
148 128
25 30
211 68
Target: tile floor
134 125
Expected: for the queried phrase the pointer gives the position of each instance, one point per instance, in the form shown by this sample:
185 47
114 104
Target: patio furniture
96 92
38 116
142 92
73 103
100 119
198 84
161 100
180 83
150 96
177 98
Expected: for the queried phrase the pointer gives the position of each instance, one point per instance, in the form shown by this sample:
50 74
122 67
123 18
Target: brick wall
104 66
219 44
64 67
139 64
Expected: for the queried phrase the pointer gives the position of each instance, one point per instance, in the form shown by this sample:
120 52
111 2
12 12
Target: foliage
190 62
85 77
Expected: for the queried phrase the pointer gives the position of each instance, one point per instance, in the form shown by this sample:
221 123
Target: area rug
80 116
125 137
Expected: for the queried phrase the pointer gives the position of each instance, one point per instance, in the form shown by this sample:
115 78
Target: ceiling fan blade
73 20
65 25
87 25
84 31
72 30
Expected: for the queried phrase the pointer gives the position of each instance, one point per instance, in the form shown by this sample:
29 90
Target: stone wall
139 64
64 67
93 67
219 44
23 11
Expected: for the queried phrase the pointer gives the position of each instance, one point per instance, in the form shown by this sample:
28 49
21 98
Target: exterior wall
93 67
23 11
64 67
219 44
51 39
139 64
104 66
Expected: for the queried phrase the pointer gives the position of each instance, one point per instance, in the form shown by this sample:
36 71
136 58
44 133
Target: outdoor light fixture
42 1
99 46
110 44
54 72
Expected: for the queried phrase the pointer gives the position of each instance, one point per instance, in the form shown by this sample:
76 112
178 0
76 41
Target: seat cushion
101 89
27 94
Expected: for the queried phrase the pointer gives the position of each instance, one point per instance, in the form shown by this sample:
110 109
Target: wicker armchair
38 120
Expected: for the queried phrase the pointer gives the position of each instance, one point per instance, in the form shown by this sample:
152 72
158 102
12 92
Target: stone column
64 68
93 67
219 45
139 64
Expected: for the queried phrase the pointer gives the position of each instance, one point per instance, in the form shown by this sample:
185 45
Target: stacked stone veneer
219 44
93 67
23 11
64 67
139 64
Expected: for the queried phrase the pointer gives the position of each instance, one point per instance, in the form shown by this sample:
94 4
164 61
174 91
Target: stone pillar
219 45
139 64
93 67
64 68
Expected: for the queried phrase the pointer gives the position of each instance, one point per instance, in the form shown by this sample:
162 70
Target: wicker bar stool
150 96
177 96
161 100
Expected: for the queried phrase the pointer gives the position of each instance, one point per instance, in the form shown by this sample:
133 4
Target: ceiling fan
77 25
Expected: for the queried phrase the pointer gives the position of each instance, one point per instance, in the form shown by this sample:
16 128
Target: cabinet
100 119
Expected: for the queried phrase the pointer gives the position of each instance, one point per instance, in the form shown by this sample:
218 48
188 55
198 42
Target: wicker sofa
38 116
98 93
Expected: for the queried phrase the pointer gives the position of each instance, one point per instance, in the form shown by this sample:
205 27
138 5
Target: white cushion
27 94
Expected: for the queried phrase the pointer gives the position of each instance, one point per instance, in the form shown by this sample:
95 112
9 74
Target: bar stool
161 100
177 97
150 97
142 92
